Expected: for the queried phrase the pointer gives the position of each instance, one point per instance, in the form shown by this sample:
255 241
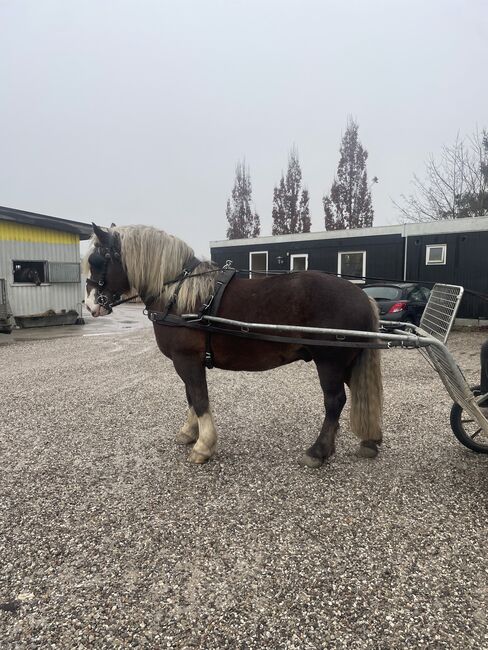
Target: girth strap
210 307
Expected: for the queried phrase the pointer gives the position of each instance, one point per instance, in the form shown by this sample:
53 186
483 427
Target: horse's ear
103 236
113 225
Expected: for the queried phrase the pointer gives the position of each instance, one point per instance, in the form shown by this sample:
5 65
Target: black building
453 252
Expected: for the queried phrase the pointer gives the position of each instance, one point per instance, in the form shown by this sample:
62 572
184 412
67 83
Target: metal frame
3 300
429 337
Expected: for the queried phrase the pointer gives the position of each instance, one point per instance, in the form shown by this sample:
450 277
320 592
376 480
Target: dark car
400 301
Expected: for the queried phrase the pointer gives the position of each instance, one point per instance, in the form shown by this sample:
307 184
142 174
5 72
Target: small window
27 272
436 254
64 272
258 263
352 265
299 262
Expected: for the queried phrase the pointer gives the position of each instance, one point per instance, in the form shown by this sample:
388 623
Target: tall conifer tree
243 221
290 203
349 203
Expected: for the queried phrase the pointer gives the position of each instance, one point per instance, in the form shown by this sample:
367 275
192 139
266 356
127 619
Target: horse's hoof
311 461
368 449
183 438
197 458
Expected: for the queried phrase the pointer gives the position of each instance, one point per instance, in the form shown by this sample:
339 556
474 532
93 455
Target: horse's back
308 298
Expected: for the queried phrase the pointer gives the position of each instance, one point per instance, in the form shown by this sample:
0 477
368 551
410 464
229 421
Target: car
399 301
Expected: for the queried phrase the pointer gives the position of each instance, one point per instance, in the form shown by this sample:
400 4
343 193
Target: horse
126 260
29 275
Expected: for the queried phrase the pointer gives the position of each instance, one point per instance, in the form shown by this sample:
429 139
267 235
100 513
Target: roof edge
84 230
472 224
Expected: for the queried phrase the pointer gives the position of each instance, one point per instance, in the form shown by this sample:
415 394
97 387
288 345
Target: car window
416 295
425 293
383 293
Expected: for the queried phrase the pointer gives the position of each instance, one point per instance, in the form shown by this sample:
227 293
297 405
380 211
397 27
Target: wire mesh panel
64 272
441 310
454 381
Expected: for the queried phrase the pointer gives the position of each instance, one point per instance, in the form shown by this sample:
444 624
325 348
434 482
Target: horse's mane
151 257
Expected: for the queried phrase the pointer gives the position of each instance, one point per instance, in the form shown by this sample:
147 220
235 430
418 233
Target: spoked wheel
466 428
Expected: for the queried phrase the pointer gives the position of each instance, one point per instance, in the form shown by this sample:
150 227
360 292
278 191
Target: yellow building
40 280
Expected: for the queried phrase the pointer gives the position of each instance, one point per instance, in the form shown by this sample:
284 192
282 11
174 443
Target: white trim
31 284
429 247
339 265
296 256
251 253
445 226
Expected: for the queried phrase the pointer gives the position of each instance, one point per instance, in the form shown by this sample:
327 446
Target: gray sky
136 111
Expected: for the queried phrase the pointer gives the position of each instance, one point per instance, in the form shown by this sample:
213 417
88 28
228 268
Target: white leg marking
207 439
189 431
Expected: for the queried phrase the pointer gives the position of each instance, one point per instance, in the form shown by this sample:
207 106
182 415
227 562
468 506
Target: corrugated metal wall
48 247
3 300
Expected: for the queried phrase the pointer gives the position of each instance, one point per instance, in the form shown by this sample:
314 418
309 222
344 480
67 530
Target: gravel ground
111 539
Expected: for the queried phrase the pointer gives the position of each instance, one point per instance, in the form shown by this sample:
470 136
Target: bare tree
454 186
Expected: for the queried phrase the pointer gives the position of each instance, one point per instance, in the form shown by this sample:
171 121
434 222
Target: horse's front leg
193 374
188 434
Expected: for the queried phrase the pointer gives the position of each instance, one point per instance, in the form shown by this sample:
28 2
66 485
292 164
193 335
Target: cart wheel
466 429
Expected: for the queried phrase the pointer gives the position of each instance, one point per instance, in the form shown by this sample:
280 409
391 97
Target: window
299 262
352 264
416 295
435 254
64 272
383 293
426 293
258 262
30 272
27 272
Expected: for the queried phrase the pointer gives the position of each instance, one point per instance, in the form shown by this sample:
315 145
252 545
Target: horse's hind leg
188 434
332 383
193 374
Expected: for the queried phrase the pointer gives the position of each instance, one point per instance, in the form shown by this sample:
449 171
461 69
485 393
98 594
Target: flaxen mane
151 258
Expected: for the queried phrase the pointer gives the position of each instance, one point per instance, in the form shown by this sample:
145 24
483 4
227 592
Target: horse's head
107 280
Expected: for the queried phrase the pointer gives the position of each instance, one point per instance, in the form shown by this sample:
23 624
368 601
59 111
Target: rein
210 306
110 255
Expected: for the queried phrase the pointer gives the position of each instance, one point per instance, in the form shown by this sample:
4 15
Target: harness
109 255
209 308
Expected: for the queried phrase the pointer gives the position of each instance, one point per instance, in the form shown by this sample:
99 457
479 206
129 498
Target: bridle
102 299
111 255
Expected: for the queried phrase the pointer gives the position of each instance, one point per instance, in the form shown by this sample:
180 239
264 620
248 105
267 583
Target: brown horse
145 260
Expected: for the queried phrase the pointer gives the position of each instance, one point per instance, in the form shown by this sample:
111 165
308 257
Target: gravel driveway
111 539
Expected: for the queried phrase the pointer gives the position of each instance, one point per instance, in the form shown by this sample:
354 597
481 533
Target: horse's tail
367 390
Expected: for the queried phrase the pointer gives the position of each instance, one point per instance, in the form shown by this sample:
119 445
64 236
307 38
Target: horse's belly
247 356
